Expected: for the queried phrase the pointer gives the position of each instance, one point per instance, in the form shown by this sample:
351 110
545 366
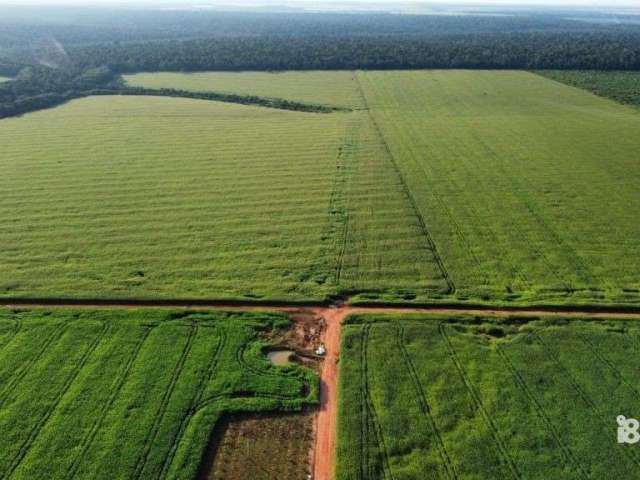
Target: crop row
531 400
125 394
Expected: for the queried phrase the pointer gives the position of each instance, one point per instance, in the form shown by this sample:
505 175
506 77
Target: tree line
564 51
87 53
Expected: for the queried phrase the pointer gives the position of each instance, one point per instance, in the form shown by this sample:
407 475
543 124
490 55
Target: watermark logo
628 430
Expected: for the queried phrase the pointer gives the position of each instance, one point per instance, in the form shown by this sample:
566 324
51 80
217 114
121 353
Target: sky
307 3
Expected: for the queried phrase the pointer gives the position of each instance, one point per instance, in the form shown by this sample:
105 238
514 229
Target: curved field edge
146 396
493 397
322 88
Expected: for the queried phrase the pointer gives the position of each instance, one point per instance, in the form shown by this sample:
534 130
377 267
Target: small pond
280 357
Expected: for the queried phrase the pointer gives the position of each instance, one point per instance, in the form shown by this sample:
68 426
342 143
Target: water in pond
280 357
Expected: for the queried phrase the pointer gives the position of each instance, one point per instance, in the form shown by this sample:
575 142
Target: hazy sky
309 3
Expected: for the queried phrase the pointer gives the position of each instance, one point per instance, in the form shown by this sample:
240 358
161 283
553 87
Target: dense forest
55 54
594 51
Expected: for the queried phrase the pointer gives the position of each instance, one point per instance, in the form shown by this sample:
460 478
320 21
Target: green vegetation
228 202
131 394
529 188
434 397
623 87
439 186
322 88
148 197
4 79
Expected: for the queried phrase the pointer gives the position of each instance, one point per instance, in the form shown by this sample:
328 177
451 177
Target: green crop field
623 87
338 89
4 79
148 197
131 394
480 398
451 186
529 188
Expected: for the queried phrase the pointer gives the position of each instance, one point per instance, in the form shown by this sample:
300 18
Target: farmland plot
529 188
427 397
107 394
154 197
148 197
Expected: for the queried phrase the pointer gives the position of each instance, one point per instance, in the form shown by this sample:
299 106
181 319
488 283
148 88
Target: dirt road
326 419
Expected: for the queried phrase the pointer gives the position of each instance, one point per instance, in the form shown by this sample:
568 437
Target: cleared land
623 87
147 197
4 79
131 394
154 197
336 89
471 397
262 447
529 188
451 186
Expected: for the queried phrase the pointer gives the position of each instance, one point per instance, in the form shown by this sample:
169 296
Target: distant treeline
76 25
56 54
565 51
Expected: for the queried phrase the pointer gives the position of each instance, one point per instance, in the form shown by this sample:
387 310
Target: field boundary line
55 334
193 408
478 402
166 398
582 394
88 439
449 307
566 450
451 288
35 431
424 404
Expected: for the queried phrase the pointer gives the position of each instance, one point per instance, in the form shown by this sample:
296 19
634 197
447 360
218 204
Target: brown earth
260 447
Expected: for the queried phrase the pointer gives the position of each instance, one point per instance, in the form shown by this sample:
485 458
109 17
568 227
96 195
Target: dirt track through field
326 419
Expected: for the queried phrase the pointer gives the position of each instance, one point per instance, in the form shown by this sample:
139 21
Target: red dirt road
327 418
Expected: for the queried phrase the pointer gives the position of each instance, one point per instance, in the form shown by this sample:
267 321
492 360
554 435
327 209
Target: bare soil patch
260 447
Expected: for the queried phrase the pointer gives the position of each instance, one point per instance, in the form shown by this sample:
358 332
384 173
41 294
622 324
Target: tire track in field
364 413
566 451
479 405
338 204
195 404
451 288
444 206
35 431
148 443
93 431
516 188
382 448
424 404
616 372
55 335
16 329
606 425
